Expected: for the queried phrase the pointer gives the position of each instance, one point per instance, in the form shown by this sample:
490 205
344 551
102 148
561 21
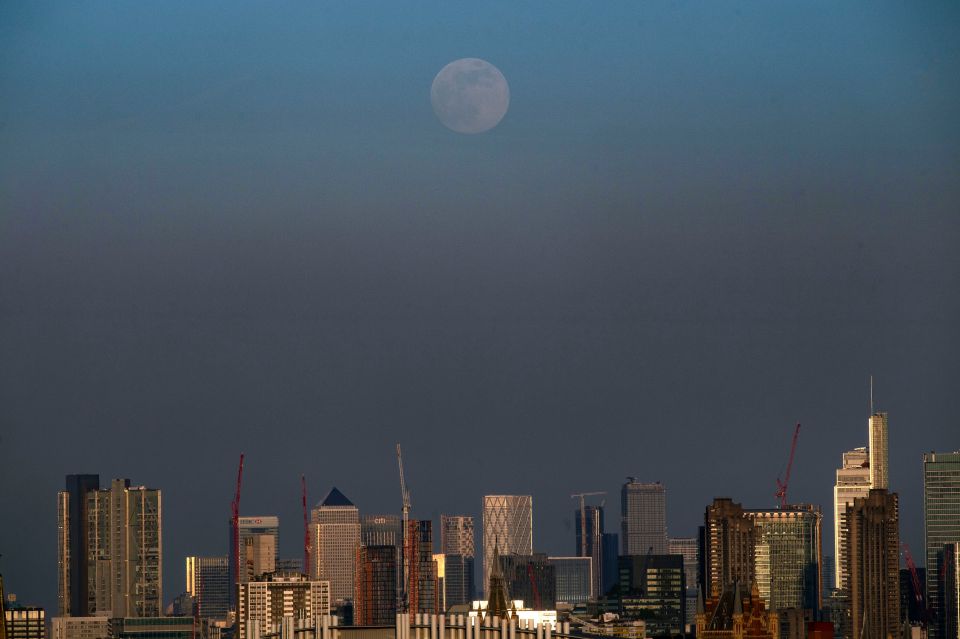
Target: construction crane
915 578
583 518
235 521
405 497
306 525
781 493
537 603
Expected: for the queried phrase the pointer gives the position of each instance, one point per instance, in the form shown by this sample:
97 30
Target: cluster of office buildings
746 572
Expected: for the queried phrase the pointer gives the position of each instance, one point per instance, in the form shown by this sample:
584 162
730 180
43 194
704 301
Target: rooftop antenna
871 395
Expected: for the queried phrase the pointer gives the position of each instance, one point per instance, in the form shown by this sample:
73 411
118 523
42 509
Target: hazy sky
239 226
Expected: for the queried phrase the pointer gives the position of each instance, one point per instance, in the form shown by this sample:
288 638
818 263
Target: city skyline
338 499
259 229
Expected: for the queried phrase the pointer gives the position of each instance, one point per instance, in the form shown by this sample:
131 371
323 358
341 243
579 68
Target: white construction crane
583 518
405 496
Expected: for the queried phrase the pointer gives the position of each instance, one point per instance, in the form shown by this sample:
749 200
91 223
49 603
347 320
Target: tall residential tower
122 558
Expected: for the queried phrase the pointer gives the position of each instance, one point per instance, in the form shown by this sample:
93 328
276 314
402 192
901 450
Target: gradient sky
239 226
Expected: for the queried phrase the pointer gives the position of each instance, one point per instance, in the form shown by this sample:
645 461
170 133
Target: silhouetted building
455 580
422 578
787 552
532 579
375 585
643 512
730 544
910 609
574 578
611 556
828 575
653 588
335 535
948 570
75 597
508 525
873 559
589 538
687 548
941 524
498 599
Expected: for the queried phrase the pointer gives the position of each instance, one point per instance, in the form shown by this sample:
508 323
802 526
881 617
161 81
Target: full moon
470 95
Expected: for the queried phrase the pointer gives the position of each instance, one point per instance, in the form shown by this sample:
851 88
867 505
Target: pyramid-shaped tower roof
335 498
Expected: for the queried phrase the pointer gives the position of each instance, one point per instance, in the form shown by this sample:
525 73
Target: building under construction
375 585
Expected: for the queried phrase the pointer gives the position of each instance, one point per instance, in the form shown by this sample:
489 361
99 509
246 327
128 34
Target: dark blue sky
235 226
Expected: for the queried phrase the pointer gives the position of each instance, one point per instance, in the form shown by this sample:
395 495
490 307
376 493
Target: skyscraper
730 544
611 556
259 545
873 560
574 576
530 578
652 588
879 459
377 573
335 535
208 582
123 548
591 544
507 524
787 555
75 597
422 578
455 578
381 530
456 535
853 481
643 514
687 548
949 621
941 522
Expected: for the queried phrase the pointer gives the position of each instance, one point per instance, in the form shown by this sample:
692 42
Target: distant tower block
643 518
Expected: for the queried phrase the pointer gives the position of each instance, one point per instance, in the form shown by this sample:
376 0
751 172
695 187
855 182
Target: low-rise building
81 628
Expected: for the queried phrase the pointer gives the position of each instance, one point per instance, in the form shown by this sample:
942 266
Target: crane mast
781 493
405 497
306 525
235 525
583 518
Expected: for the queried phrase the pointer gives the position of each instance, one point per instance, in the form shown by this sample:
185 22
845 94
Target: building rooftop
336 498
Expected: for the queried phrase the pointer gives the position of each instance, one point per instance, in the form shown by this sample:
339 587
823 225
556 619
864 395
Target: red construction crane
537 604
235 508
306 526
781 493
915 578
